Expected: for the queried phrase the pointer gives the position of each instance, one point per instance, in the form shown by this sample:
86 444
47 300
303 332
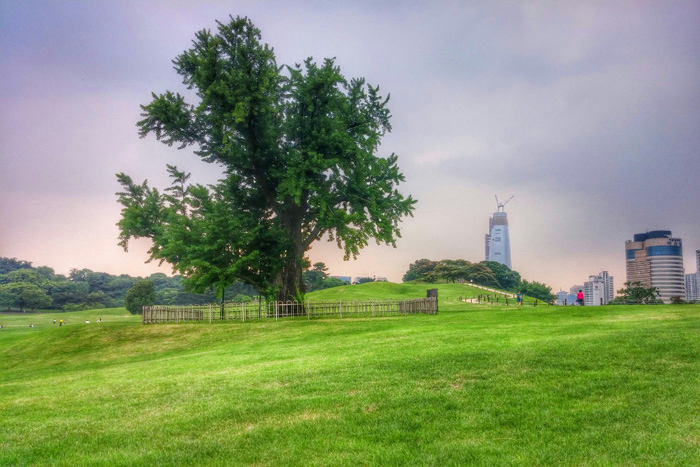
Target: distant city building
380 279
691 287
497 241
345 279
573 291
562 298
656 260
599 290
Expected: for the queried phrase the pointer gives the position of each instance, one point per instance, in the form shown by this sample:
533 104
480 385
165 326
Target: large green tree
298 148
506 277
419 269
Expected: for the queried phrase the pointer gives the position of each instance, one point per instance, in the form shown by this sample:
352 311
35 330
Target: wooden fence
275 310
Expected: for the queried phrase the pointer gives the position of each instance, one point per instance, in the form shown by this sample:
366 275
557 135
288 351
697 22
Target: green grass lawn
473 385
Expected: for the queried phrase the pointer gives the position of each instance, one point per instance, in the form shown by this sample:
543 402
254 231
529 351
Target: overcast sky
588 113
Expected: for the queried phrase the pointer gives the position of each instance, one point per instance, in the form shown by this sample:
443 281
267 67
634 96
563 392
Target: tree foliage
313 278
85 289
537 290
419 269
142 294
506 277
24 295
317 278
298 149
12 264
636 293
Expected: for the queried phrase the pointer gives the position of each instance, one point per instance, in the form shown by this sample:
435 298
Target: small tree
636 292
331 282
537 290
142 294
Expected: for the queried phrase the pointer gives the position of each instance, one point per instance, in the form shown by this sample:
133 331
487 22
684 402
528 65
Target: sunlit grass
473 385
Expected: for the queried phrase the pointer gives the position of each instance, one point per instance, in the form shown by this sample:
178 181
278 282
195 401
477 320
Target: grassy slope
476 385
449 294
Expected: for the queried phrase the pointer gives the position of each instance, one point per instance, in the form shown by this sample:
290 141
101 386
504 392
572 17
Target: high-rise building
497 241
691 287
599 290
656 260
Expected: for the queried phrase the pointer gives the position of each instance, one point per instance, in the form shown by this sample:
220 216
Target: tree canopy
635 292
298 149
142 294
85 289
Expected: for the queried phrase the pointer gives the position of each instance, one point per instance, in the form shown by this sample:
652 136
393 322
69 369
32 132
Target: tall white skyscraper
497 241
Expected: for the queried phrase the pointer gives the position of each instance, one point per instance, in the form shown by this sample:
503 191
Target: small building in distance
563 298
599 290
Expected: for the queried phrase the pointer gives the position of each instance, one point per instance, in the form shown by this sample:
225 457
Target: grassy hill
448 294
473 385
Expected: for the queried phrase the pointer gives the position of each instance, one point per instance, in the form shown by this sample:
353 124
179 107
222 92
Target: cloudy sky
588 113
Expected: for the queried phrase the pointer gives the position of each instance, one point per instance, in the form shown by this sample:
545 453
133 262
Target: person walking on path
579 298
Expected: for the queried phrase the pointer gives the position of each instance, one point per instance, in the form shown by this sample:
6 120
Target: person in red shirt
579 297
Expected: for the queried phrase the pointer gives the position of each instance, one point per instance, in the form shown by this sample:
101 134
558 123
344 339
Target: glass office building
656 260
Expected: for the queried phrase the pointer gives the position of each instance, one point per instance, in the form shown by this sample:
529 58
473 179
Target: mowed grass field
473 385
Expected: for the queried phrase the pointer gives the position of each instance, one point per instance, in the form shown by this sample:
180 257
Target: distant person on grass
519 298
579 298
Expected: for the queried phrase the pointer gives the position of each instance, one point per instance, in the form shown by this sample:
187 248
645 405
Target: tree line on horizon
26 287
485 273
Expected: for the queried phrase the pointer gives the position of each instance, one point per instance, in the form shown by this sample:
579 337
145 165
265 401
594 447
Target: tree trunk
291 286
